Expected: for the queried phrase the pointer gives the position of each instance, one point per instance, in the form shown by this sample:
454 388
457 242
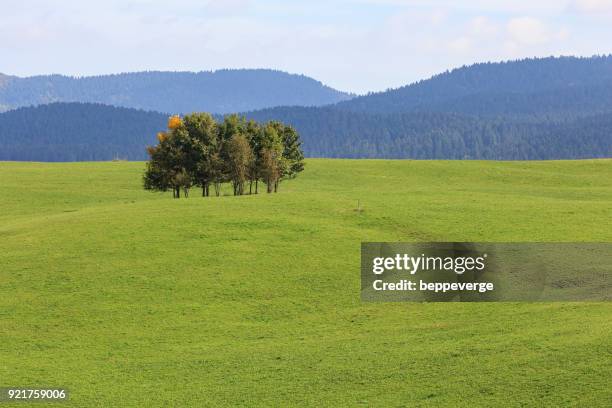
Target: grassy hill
128 297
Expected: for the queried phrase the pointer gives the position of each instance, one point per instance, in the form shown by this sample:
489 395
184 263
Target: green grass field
131 298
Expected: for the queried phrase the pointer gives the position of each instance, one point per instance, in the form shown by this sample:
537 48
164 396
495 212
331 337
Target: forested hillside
77 132
330 132
531 86
221 91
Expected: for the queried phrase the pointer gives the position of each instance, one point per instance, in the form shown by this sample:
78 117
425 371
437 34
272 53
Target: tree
272 162
253 133
157 175
183 180
269 168
172 162
160 168
185 156
240 158
232 125
292 151
203 130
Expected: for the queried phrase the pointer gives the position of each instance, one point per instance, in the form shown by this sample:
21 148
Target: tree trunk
257 186
250 187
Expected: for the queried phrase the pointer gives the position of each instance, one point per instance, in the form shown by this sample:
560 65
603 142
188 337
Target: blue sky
353 45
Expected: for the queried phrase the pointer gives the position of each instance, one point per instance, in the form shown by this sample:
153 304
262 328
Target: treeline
65 132
84 132
335 133
196 150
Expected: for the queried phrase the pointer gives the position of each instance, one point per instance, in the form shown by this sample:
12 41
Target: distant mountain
4 80
82 132
221 91
530 87
552 108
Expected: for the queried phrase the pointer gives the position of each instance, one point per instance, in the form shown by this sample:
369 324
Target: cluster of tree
196 150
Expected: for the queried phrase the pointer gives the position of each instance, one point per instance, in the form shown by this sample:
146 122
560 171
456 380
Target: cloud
483 26
356 45
461 45
531 31
591 6
528 7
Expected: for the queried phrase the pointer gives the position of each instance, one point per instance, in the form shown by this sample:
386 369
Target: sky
352 45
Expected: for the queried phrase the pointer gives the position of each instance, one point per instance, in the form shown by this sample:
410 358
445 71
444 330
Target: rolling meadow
132 298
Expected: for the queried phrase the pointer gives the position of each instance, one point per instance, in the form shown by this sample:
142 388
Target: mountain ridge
220 91
529 75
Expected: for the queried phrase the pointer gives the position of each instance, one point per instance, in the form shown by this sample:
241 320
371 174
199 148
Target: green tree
292 150
253 133
173 161
231 126
185 157
157 174
203 130
240 158
272 162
